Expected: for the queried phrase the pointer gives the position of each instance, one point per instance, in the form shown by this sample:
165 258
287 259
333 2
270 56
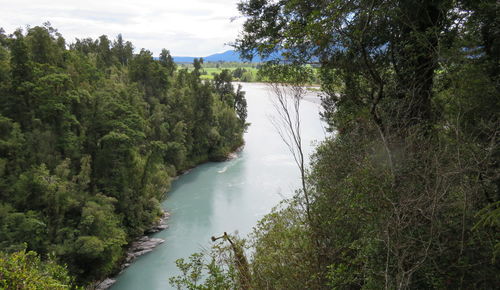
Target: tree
46 44
98 247
167 61
105 57
90 138
85 46
287 84
18 101
240 104
224 87
360 40
122 50
25 270
385 186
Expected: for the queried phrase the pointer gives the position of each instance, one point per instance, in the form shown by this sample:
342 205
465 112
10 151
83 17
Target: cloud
187 27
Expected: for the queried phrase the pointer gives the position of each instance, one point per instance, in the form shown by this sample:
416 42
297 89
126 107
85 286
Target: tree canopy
91 135
405 192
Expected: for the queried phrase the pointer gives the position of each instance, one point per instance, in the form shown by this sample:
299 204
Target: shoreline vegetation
92 135
141 246
405 192
145 244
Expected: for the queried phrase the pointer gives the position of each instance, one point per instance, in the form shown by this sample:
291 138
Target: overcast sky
185 27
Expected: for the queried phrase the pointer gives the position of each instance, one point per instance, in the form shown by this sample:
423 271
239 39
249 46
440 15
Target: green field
244 72
241 71
249 73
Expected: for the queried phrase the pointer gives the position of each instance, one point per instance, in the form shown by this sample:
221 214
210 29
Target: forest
92 134
404 194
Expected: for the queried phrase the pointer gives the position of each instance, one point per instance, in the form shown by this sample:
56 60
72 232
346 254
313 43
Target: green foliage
191 272
284 252
25 270
286 73
244 72
489 218
405 193
90 138
220 268
100 238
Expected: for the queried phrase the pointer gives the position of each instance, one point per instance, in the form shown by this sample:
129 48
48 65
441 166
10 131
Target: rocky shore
139 247
146 244
234 154
161 224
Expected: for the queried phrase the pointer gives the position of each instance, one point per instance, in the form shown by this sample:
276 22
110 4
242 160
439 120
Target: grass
210 69
251 69
208 72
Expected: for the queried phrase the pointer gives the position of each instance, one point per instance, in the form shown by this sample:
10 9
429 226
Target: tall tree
90 138
167 61
122 50
394 80
362 40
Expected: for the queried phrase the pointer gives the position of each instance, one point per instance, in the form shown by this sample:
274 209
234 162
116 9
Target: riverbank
146 244
142 245
225 197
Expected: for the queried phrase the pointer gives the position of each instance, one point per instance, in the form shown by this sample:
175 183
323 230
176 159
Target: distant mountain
227 56
181 59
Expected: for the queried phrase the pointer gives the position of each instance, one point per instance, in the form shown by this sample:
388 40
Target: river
228 196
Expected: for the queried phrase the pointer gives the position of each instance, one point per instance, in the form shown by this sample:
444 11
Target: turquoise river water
228 196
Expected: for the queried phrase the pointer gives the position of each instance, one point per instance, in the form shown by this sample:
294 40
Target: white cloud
185 27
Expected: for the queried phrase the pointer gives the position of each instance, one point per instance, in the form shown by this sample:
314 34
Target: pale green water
229 196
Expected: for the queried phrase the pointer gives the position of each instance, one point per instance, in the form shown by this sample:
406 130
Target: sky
185 27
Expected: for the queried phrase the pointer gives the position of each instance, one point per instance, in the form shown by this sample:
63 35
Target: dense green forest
405 193
91 135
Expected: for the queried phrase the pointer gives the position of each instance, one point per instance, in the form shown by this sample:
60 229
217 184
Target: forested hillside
91 134
405 194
